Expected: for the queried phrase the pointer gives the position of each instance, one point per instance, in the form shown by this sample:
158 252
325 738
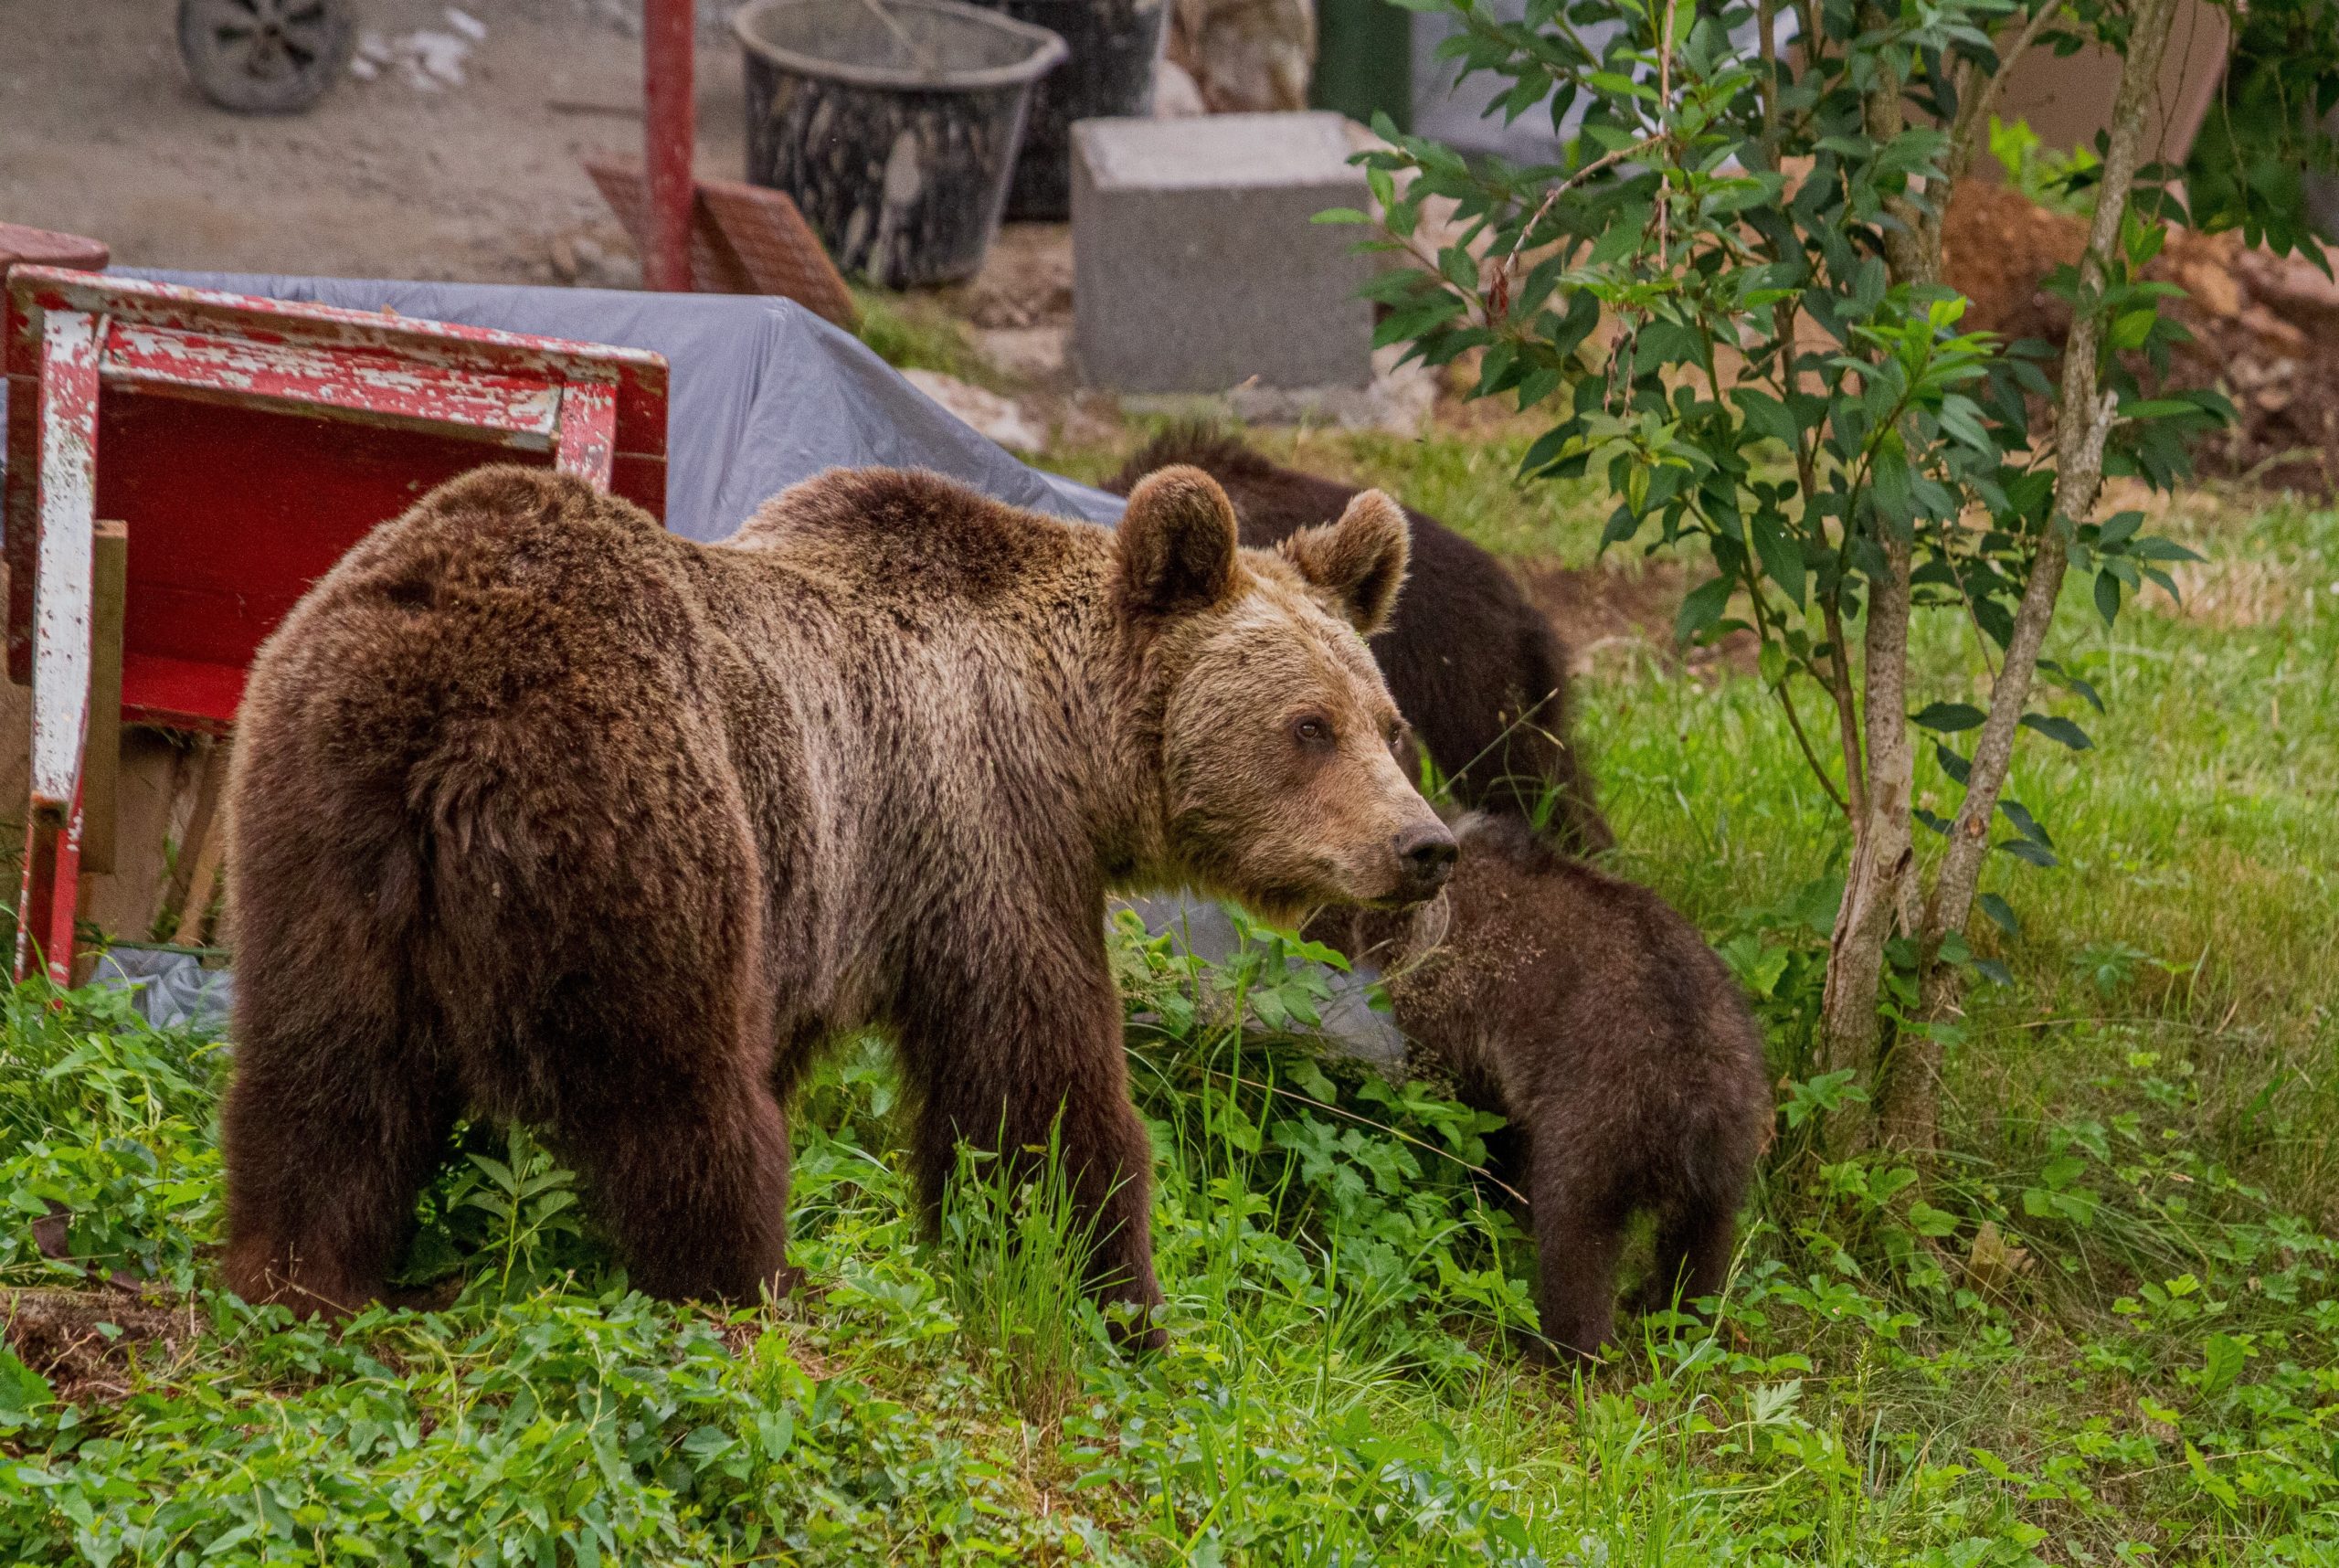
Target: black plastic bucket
893 123
1115 51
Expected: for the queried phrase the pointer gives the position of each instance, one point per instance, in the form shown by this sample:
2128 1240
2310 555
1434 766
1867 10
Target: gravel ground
102 133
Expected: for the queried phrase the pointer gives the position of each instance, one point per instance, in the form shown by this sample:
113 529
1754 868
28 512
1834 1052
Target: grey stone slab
1197 265
1219 152
1352 1027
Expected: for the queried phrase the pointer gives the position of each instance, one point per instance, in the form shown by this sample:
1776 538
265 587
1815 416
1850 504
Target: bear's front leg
1578 1237
1000 1061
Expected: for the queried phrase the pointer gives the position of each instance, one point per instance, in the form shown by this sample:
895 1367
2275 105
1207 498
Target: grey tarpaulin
765 393
169 989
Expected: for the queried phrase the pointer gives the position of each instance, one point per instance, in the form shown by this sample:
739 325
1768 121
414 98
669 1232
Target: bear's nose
1426 852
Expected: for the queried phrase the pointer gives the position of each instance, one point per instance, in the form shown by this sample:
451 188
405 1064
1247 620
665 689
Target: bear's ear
1177 542
1358 560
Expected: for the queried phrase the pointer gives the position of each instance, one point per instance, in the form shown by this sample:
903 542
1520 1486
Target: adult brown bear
540 813
1473 665
1594 1020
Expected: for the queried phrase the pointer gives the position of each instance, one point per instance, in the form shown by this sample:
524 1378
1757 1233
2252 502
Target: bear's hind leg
692 1183
329 1131
655 1051
1694 1247
608 945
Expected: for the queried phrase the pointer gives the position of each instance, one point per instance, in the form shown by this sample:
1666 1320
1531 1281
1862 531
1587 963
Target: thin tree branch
1809 754
1779 690
1909 1103
1606 161
1847 723
1975 102
2083 426
1766 18
1882 856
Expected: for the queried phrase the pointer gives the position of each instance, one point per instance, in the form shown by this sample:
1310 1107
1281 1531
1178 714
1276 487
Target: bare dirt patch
1605 611
2265 328
94 1345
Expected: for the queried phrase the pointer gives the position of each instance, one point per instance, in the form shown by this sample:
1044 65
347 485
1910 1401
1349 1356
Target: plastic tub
893 123
1116 49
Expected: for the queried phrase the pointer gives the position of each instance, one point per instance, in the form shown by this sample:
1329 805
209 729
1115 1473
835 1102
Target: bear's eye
1396 735
1312 730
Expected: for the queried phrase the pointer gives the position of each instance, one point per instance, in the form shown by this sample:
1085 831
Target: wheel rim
267 39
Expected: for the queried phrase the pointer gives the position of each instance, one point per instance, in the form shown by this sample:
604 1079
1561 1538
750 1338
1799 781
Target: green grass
2108 1333
1468 481
912 333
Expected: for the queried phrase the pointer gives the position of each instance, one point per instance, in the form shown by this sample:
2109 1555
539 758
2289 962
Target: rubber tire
242 73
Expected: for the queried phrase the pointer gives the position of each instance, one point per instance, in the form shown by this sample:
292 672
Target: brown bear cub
540 813
1598 1023
1476 668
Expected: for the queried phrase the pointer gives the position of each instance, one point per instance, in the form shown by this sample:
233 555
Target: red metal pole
669 112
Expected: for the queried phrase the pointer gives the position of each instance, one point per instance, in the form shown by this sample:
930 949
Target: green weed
1018 1270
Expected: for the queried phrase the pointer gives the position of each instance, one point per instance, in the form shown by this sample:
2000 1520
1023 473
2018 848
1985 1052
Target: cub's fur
1601 1026
540 812
1473 665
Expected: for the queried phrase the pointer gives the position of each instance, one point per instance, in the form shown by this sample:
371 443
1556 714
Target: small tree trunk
1849 1026
1909 1104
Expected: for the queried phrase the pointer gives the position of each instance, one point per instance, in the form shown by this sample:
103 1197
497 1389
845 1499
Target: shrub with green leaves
1727 298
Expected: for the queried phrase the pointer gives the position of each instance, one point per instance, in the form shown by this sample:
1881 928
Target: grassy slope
2103 1336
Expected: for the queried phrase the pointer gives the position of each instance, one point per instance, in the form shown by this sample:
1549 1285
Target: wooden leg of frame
157 777
201 851
45 911
101 748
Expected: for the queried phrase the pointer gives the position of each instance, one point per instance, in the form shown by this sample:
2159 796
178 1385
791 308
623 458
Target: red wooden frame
247 443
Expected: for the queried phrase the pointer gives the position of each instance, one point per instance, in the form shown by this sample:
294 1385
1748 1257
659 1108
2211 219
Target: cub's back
1587 996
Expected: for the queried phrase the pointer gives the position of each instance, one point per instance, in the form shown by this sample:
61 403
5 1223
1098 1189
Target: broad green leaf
1780 558
1701 608
2024 823
21 1390
2057 728
2222 1357
2107 597
2001 914
1928 1221
2023 849
1948 719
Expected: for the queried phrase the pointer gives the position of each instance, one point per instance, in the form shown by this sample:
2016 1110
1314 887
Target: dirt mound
93 1345
2262 327
1606 607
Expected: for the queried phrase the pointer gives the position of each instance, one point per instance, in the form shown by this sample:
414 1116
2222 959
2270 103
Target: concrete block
1195 264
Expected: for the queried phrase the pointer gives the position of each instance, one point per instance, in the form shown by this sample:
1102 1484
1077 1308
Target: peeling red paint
64 513
588 418
248 444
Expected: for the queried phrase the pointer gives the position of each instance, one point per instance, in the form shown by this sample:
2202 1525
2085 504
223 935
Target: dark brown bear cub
542 813
1598 1023
1473 665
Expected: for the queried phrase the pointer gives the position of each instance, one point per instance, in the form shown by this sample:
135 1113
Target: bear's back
922 551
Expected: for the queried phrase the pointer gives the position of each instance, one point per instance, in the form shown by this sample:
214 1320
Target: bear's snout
1425 856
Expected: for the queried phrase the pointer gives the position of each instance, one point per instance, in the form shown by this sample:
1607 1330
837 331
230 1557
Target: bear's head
1279 744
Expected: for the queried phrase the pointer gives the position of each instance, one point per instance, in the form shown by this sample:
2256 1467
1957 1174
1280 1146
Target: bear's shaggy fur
1595 1021
1475 667
540 813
